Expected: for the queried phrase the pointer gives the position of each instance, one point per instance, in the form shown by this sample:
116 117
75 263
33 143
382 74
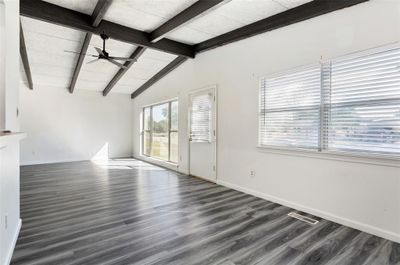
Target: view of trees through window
160 131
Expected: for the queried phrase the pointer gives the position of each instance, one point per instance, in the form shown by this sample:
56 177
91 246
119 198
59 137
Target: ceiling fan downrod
104 37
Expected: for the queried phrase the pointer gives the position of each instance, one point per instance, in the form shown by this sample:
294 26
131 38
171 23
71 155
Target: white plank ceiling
229 16
52 66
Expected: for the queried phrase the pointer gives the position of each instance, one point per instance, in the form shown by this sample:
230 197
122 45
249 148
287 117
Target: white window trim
160 102
346 156
361 158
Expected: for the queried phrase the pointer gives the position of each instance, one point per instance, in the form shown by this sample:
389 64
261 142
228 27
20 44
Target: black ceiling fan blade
122 59
99 51
116 63
93 61
85 54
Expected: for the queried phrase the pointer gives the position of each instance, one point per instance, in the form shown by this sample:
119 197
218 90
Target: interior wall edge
14 241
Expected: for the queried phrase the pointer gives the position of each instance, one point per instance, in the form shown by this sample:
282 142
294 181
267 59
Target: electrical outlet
252 173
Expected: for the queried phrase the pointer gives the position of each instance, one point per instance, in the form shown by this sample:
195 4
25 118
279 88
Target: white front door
202 134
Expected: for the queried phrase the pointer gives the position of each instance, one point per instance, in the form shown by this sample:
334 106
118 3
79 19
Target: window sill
378 159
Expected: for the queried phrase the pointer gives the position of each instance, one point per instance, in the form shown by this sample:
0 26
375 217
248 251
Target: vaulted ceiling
48 37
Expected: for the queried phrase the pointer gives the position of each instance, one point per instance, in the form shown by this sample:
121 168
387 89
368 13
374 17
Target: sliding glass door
160 131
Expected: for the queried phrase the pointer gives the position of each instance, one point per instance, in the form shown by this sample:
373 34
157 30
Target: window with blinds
289 109
350 104
364 100
201 118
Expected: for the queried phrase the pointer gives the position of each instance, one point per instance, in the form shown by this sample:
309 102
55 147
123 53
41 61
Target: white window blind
289 109
364 103
201 118
350 104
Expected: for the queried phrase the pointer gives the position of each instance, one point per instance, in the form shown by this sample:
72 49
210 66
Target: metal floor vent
303 218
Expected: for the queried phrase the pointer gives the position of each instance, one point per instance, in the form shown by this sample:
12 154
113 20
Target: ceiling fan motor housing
104 36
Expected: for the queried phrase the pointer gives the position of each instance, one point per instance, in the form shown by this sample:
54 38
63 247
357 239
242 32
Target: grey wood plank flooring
131 212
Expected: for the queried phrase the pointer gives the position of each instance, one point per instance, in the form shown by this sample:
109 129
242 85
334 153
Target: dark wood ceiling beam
183 17
135 55
166 70
24 57
100 11
306 11
97 16
79 63
69 18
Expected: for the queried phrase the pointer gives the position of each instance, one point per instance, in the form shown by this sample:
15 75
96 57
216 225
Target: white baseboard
57 161
14 242
328 216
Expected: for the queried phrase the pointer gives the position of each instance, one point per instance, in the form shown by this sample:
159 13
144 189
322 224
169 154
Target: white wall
9 64
360 193
10 222
71 127
2 64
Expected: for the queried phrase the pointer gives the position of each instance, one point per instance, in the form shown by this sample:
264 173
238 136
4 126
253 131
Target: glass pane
174 115
290 109
291 128
297 89
201 118
146 143
370 128
365 106
160 118
146 119
174 147
159 148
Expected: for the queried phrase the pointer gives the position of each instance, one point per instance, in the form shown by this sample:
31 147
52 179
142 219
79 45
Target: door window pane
200 118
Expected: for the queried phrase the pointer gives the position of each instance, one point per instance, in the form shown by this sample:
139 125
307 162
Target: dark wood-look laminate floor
130 212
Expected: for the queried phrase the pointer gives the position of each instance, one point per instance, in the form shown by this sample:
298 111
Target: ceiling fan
104 55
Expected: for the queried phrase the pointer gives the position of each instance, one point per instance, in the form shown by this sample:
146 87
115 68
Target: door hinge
214 132
214 167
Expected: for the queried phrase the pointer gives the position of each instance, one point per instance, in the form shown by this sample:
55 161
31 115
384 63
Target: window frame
150 131
368 157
